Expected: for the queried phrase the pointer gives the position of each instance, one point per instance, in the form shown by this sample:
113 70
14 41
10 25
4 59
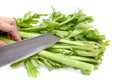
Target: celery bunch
81 46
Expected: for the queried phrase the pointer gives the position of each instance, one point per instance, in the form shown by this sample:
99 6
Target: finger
15 35
2 43
10 29
5 27
8 20
13 22
9 36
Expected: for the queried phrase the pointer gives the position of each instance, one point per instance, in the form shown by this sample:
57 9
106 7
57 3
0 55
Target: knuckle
12 29
12 21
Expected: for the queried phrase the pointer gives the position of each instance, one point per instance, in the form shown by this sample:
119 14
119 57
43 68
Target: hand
9 25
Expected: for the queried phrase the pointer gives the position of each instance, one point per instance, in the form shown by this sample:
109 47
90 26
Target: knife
17 51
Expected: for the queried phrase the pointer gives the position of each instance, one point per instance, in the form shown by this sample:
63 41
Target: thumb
2 43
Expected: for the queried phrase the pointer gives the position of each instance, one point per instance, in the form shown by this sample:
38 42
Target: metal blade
26 48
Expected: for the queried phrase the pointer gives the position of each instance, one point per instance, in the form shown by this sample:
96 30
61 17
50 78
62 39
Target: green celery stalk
86 53
33 28
90 60
84 48
6 40
80 43
81 58
68 20
68 61
26 35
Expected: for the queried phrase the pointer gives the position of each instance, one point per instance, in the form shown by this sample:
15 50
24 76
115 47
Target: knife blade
17 51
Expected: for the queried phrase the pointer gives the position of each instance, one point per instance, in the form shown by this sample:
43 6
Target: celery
80 46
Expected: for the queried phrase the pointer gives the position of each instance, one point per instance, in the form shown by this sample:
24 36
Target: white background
106 14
